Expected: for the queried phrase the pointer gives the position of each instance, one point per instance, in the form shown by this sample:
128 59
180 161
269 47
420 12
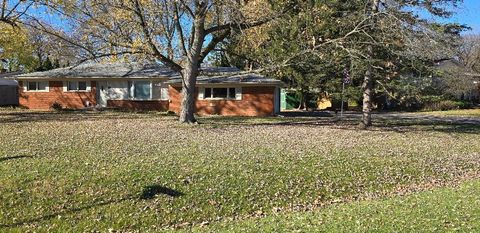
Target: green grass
463 112
96 171
445 209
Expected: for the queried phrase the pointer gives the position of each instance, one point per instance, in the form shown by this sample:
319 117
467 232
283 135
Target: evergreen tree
376 40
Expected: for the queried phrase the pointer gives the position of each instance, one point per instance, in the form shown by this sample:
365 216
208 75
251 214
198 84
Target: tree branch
244 25
213 43
165 60
181 37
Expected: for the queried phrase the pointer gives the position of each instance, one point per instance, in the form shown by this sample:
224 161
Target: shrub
337 103
57 106
465 104
445 105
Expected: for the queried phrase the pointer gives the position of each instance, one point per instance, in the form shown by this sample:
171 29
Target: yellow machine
324 101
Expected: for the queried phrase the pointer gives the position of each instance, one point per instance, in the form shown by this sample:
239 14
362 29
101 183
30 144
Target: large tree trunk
368 79
367 99
191 69
189 75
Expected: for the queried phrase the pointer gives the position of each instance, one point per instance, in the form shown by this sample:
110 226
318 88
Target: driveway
387 116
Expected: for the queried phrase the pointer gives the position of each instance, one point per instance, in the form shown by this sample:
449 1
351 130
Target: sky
468 13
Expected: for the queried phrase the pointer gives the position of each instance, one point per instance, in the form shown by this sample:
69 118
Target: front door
102 94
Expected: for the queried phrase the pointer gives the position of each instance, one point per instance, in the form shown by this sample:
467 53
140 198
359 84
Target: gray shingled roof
111 70
210 75
249 78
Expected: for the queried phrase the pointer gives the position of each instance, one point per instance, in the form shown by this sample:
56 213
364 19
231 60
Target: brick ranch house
149 87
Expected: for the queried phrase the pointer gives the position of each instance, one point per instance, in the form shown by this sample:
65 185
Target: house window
147 90
77 86
140 90
82 86
231 93
221 93
159 90
37 86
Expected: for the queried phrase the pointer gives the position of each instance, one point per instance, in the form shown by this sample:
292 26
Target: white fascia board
88 78
232 84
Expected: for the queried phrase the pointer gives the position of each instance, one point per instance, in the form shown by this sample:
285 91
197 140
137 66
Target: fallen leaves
91 168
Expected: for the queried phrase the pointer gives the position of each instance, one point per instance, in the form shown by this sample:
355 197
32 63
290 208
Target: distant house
466 79
149 87
8 90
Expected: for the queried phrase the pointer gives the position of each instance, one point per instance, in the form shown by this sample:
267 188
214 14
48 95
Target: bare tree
11 11
469 54
47 47
459 75
180 34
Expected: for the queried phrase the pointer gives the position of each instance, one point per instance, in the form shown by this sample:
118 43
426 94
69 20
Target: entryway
102 94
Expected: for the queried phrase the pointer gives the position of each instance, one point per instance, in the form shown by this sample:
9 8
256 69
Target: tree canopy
179 34
307 43
376 41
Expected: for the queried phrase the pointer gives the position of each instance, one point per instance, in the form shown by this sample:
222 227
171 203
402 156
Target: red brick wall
45 100
256 101
150 105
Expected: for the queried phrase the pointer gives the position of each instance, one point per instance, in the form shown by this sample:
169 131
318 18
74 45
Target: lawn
444 209
100 171
461 112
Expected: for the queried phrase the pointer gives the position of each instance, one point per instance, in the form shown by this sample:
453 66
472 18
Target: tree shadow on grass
400 123
403 125
151 191
290 119
284 118
14 157
69 116
148 192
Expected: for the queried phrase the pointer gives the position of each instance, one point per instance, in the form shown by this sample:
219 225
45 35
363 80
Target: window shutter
47 87
238 93
25 85
201 93
89 87
65 83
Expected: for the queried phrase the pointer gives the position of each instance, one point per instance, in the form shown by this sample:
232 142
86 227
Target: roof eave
276 84
87 77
